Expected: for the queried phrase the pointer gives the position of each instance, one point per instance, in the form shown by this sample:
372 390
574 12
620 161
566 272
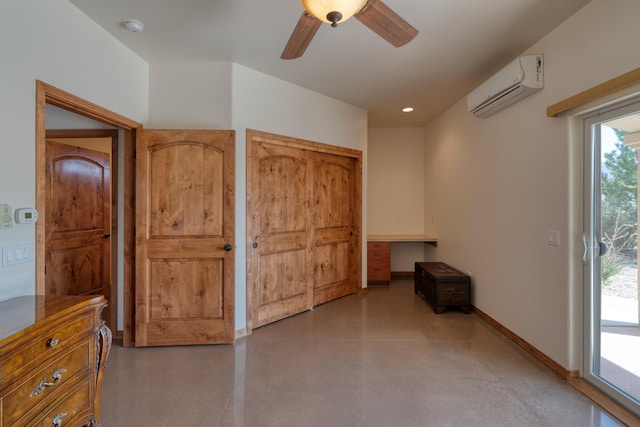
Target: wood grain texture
304 31
610 86
78 255
185 277
279 275
62 342
303 226
48 94
379 18
334 206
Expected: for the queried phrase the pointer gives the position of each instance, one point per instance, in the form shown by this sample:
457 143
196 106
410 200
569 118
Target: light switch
16 254
553 237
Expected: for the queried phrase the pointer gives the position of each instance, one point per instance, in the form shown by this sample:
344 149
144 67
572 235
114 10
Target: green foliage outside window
619 207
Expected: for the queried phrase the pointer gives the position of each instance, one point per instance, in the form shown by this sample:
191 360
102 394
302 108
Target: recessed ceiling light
407 109
133 25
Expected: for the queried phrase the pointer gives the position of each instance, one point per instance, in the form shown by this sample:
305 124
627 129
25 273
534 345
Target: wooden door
78 222
303 225
279 268
184 237
334 241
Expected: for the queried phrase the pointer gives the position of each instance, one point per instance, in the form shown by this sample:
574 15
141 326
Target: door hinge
45 270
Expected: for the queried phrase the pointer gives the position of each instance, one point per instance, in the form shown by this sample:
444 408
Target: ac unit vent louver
519 79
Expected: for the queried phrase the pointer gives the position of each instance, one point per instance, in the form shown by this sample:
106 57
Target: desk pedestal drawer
378 262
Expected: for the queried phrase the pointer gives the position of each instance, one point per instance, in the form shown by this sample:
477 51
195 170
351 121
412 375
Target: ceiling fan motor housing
334 17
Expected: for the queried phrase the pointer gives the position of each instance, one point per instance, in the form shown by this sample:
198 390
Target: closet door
334 203
303 225
279 266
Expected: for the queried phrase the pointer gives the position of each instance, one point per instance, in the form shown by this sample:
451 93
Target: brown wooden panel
78 271
186 289
333 194
282 276
330 264
334 223
77 194
186 191
283 194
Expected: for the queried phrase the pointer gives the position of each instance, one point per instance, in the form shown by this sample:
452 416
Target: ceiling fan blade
303 33
386 23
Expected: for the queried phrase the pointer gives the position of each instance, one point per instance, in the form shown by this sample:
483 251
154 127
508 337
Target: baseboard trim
402 274
616 410
526 346
240 333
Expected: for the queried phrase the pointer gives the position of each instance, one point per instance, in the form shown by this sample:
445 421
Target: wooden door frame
47 94
259 136
113 168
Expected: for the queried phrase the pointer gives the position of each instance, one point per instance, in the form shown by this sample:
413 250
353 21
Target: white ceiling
460 44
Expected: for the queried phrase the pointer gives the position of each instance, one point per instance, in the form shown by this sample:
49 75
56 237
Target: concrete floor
378 359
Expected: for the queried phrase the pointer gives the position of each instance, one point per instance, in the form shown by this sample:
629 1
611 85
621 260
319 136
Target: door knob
107 235
227 247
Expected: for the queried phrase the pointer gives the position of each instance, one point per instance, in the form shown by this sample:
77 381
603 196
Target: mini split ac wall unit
519 79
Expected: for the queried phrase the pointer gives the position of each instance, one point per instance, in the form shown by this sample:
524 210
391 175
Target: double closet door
304 225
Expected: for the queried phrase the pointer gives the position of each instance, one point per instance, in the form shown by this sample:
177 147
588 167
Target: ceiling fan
373 13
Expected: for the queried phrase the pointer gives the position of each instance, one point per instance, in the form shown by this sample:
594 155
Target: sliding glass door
610 239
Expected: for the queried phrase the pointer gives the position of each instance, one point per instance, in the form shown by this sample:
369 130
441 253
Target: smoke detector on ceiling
133 25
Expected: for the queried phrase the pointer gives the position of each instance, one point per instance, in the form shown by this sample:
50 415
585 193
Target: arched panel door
184 237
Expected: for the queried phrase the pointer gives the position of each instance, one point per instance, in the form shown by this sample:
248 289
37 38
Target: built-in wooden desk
379 253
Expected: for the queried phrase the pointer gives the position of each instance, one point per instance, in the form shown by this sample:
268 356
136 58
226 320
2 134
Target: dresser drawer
74 410
45 346
45 385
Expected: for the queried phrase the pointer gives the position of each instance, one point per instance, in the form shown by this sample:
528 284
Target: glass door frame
592 249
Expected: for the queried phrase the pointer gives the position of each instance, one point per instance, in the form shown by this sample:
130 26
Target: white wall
190 96
500 183
267 104
40 42
396 195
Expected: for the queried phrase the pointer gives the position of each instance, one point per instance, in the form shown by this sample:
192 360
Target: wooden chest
443 286
378 262
52 351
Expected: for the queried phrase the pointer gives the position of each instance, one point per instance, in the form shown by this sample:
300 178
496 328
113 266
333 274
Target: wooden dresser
52 352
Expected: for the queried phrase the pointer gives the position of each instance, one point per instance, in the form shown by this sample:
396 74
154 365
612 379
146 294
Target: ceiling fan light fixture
333 11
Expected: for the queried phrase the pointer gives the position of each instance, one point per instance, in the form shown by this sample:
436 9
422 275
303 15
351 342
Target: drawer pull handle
57 420
52 342
57 377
